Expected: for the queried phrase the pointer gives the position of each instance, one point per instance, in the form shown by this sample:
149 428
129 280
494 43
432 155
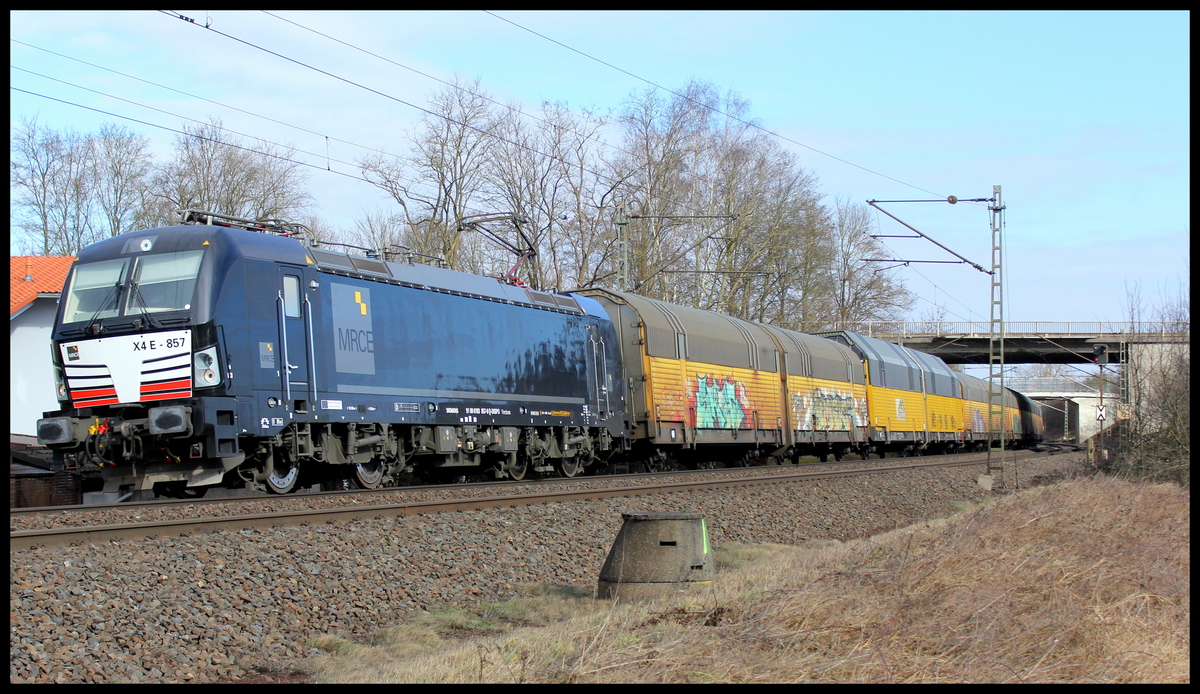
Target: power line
201 137
169 113
187 134
935 285
706 106
597 174
201 98
193 96
683 96
438 79
209 139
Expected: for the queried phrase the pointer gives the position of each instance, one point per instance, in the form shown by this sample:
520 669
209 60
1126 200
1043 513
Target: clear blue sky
1081 117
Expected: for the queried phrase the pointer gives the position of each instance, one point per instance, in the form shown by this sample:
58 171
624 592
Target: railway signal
1100 353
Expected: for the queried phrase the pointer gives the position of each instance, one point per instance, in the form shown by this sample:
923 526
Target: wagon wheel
283 476
569 467
369 475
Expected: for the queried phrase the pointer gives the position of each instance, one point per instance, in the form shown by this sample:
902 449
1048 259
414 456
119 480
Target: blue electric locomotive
227 352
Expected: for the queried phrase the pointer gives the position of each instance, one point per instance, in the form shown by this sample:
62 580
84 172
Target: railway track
299 510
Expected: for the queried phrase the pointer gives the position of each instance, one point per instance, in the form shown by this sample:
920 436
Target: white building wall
31 376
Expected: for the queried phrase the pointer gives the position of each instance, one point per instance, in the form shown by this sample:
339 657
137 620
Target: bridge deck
1049 342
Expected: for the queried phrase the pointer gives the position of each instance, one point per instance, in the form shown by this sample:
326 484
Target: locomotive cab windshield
137 287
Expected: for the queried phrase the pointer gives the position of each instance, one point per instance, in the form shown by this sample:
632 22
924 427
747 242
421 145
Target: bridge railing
1166 331
1048 384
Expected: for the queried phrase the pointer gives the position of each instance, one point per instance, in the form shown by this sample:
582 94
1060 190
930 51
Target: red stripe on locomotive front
167 395
93 393
94 403
184 384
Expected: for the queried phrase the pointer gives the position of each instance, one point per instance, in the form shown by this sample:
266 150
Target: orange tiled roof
47 272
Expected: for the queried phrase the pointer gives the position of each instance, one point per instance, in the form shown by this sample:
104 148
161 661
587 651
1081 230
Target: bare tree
862 290
121 167
439 181
660 134
545 171
720 216
214 171
380 231
1155 441
52 177
724 218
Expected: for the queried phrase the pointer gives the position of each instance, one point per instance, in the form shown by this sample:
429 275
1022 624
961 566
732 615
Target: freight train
225 352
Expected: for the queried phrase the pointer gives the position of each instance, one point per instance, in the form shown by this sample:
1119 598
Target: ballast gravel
225 605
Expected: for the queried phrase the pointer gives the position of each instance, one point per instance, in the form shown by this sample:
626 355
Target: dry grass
1084 581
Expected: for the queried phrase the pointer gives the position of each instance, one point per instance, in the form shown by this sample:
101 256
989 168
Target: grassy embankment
1083 581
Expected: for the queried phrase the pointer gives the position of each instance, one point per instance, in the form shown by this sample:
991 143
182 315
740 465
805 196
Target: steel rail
61 537
299 497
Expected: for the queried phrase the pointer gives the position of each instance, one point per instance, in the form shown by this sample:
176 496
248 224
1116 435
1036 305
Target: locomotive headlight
60 381
60 386
205 368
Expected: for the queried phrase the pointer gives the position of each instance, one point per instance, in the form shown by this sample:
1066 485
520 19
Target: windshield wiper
104 304
136 295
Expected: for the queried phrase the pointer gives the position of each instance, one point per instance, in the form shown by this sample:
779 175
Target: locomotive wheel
569 467
283 476
519 469
369 475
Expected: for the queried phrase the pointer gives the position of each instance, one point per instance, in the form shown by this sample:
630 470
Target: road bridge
1025 342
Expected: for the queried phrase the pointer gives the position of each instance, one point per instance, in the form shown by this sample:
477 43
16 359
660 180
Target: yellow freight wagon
825 398
913 398
750 390
978 422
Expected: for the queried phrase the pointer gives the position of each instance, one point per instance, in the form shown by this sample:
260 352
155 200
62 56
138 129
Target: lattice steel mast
996 339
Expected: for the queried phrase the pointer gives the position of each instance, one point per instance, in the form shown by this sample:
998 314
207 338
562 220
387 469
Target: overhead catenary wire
208 26
715 110
599 175
187 134
255 114
452 85
326 156
201 137
176 115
